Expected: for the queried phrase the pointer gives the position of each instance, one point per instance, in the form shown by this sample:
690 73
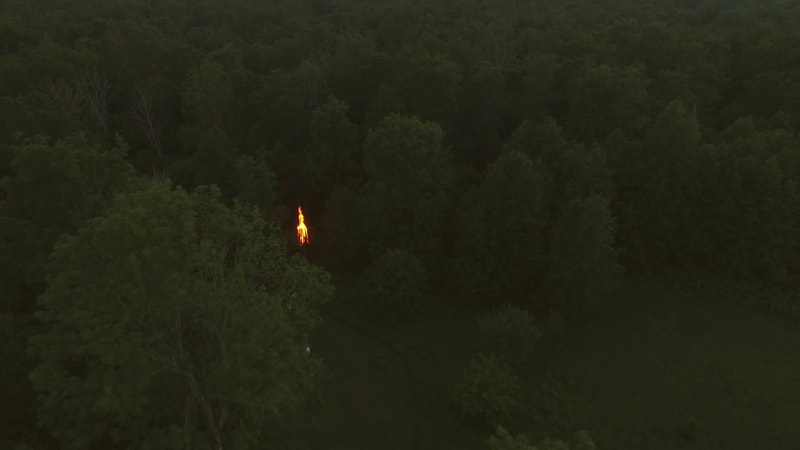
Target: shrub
487 390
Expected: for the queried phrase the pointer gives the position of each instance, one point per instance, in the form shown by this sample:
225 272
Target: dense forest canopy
479 151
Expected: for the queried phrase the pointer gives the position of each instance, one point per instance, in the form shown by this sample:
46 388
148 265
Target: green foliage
15 389
772 297
662 185
276 101
503 440
53 189
394 285
356 70
406 153
408 187
213 158
427 84
754 169
544 139
608 97
432 126
330 158
207 94
675 133
482 97
511 329
254 182
487 391
583 261
500 231
174 317
578 172
541 73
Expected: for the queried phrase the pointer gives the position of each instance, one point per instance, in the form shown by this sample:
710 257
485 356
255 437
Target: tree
580 171
656 184
215 153
254 182
544 139
577 170
675 133
143 107
209 151
331 156
409 183
487 390
583 261
277 102
19 422
95 92
313 74
54 188
427 84
742 201
539 78
207 94
357 71
608 97
480 121
500 232
394 285
511 330
86 95
173 321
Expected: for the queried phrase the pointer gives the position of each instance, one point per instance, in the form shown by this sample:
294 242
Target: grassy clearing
650 369
364 401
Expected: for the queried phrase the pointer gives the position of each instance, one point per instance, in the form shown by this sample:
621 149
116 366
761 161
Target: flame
302 231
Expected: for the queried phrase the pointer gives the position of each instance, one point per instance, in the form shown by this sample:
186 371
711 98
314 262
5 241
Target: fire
302 231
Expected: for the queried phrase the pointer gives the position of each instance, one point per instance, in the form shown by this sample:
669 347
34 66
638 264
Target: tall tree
207 94
54 188
410 177
207 99
174 321
656 184
427 84
482 100
582 259
331 157
608 97
501 231
578 170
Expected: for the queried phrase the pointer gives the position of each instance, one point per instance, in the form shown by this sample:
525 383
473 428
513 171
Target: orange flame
302 231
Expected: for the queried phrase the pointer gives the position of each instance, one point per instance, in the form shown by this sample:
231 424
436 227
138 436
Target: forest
531 225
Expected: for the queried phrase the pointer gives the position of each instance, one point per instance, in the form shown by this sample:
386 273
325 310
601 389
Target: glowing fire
302 231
